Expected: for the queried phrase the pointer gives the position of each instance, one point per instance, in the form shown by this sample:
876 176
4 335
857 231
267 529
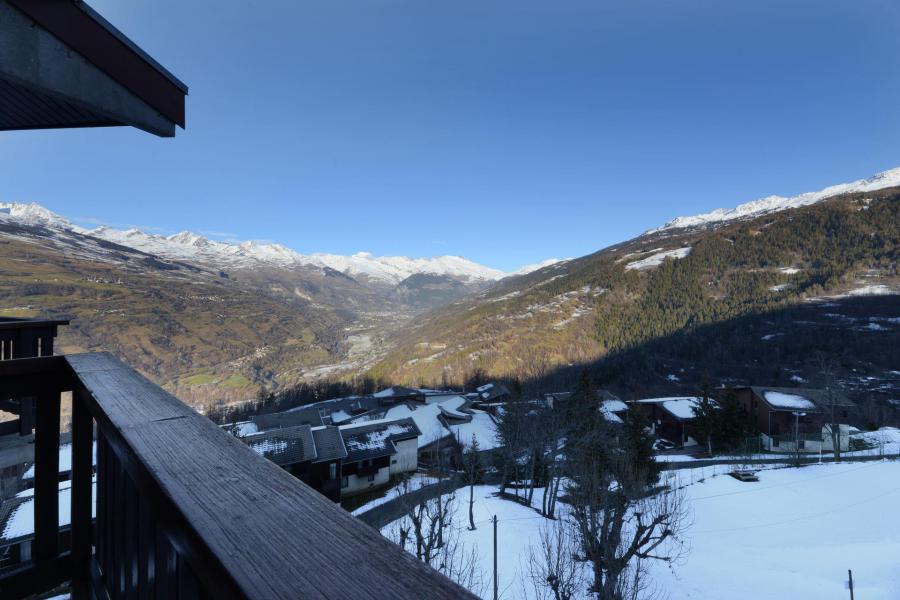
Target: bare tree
621 519
552 569
620 527
826 372
473 474
428 532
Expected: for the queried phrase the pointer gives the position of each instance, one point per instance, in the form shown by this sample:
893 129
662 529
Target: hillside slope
215 321
664 283
203 336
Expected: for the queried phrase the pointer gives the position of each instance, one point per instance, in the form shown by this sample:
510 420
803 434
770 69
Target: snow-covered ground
793 534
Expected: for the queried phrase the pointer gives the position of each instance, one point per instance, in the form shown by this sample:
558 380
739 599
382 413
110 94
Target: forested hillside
638 294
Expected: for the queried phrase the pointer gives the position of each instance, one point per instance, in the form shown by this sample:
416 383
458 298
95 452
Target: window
345 481
371 477
394 462
332 471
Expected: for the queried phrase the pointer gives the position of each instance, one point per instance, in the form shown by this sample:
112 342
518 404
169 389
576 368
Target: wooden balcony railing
184 510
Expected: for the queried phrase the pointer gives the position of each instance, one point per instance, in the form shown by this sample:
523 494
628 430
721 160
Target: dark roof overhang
63 65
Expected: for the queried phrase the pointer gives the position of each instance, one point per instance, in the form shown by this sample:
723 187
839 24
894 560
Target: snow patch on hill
654 260
536 266
772 204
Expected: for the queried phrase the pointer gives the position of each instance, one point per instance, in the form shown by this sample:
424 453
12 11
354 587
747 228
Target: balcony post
82 443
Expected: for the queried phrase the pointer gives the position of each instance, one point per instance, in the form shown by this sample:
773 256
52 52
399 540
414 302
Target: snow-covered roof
482 426
376 438
792 401
286 446
809 399
615 405
396 390
680 407
17 516
65 460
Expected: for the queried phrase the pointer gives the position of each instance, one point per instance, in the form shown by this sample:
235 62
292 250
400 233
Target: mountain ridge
774 203
190 246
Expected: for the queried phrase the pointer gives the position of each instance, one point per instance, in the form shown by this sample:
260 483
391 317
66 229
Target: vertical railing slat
46 480
82 467
146 551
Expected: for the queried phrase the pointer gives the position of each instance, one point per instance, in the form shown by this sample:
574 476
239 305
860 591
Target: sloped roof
397 390
490 391
817 400
373 440
308 415
680 407
329 444
286 446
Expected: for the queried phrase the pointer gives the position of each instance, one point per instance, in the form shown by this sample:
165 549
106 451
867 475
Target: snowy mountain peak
771 204
35 214
191 247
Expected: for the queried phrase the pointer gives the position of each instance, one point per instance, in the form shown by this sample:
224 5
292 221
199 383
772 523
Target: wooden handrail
185 509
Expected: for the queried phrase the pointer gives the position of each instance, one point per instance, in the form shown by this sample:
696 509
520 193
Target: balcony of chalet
183 509
169 505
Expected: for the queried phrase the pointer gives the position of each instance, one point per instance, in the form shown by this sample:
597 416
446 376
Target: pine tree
706 418
732 423
637 448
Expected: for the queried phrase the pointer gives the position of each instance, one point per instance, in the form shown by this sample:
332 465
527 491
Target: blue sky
506 132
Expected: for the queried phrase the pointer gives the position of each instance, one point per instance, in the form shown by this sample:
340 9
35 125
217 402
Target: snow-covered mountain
190 247
772 204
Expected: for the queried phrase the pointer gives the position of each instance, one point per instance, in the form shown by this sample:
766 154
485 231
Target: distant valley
215 321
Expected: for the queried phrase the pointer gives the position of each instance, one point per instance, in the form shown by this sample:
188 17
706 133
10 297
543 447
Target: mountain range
191 247
216 321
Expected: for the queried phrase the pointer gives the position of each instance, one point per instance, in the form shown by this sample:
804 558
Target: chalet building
669 418
313 455
377 451
341 461
182 508
788 417
492 393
